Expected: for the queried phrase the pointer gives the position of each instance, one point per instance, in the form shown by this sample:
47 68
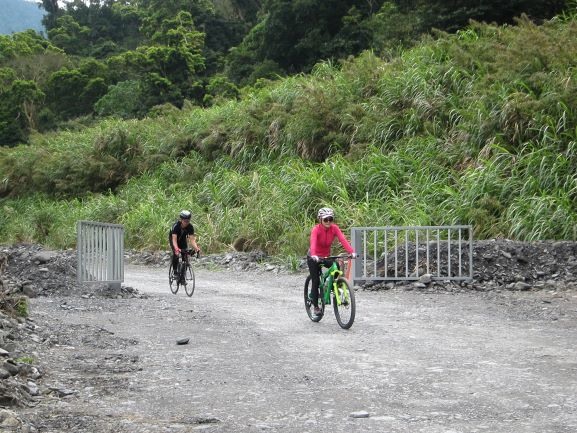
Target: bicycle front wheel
189 280
309 303
172 280
344 307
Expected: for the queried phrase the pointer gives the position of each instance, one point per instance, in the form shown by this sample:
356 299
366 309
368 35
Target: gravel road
412 362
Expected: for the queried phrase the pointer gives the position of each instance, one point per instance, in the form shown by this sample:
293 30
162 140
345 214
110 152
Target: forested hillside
125 58
19 15
475 126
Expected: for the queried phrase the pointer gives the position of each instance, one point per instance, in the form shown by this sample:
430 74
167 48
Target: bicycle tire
189 279
172 280
309 303
345 312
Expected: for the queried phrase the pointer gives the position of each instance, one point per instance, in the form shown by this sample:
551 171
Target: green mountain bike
184 275
334 289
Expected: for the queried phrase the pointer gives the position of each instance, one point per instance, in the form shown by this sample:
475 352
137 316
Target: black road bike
184 275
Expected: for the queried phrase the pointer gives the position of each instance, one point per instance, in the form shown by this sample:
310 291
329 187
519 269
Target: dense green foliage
203 51
476 127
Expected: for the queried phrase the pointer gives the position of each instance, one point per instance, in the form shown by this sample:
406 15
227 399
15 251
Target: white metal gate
407 253
100 252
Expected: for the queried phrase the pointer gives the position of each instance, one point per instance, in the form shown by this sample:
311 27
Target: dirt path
413 362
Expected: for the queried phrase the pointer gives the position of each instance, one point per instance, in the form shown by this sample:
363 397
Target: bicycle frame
328 281
184 273
185 260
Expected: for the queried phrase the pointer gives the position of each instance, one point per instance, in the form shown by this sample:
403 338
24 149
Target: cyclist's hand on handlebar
315 258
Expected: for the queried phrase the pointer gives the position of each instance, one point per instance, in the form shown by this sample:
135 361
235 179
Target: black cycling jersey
181 233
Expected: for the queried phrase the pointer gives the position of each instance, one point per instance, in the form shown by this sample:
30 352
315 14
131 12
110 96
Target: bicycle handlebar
340 256
191 252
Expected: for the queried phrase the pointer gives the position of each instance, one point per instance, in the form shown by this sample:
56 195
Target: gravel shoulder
413 361
426 360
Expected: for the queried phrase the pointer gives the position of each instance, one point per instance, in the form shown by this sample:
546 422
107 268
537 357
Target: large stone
28 290
519 285
44 256
360 414
425 279
11 368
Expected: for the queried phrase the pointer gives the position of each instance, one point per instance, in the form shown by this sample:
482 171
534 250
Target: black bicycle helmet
185 215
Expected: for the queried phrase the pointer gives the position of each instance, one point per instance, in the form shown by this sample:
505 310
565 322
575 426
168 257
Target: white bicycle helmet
185 215
325 212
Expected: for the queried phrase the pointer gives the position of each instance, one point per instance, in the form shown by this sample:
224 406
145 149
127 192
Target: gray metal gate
100 252
406 253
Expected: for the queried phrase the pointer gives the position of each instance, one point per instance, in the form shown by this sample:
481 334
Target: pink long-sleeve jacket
322 239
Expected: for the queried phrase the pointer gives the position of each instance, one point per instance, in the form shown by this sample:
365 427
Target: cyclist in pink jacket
322 236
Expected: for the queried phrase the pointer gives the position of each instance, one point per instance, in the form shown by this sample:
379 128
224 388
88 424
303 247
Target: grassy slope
475 128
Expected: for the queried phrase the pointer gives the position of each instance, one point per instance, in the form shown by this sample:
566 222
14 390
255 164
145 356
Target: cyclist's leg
174 257
182 246
314 269
183 263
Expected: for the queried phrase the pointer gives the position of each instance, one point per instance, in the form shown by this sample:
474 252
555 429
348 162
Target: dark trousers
315 272
175 257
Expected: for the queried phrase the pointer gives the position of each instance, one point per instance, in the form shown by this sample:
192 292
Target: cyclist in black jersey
181 236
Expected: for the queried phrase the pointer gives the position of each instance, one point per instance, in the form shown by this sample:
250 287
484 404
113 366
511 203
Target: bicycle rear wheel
309 303
345 312
189 280
172 280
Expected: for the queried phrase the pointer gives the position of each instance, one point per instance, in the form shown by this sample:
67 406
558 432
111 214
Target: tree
26 60
73 92
219 88
70 36
24 44
297 34
242 60
18 102
52 13
169 67
125 99
221 33
454 15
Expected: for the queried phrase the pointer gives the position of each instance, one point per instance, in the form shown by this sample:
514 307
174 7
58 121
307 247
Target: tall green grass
479 127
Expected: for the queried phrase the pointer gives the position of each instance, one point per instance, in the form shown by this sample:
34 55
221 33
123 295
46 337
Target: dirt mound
538 264
33 271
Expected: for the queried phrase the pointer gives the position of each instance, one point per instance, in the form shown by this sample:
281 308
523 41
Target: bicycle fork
336 274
